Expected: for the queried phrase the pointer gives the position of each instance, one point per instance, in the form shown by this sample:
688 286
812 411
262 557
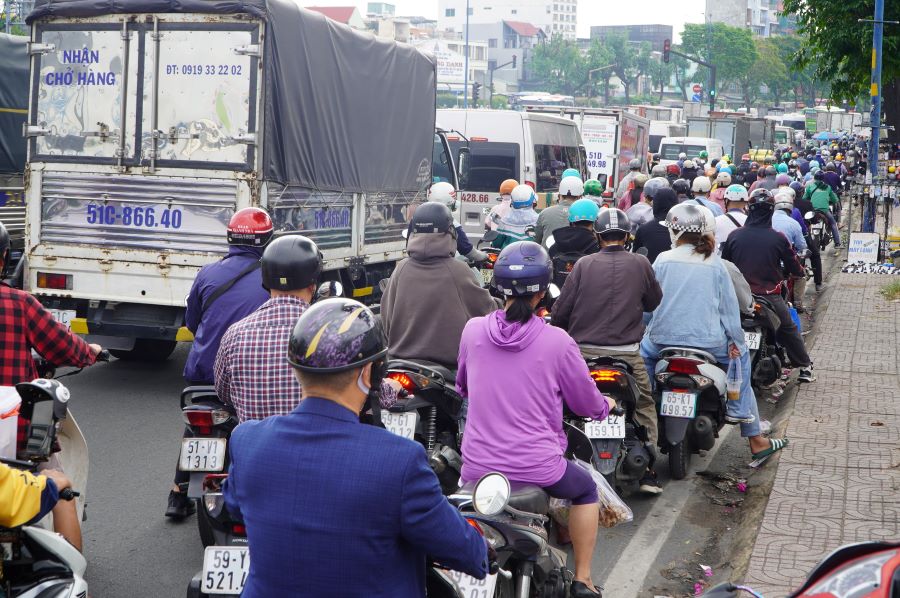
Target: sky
590 12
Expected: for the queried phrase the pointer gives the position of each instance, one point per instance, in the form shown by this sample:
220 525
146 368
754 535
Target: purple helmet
797 186
335 335
522 268
783 180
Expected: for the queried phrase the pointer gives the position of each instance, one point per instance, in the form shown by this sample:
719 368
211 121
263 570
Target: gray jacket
428 300
551 219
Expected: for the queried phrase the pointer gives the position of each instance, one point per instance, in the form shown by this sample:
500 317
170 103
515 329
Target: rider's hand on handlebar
95 349
59 478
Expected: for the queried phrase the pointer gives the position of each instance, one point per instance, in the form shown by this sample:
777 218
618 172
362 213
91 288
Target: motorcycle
869 569
431 414
619 442
690 395
767 356
819 229
35 561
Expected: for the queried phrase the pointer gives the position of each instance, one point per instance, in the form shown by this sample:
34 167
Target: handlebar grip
68 494
103 355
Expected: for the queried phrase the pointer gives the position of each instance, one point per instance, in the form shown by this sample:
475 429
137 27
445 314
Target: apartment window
450 12
514 11
492 43
471 11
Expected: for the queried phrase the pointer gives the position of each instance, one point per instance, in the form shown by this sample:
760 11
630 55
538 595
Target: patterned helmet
612 221
761 199
723 179
336 335
689 218
522 268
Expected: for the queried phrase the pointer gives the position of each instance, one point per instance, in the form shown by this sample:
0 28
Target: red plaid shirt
25 324
252 371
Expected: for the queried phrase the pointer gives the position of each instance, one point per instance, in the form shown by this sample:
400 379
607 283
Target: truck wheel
146 349
679 460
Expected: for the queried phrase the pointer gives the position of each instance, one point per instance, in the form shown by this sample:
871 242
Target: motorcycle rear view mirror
553 291
809 216
328 289
491 494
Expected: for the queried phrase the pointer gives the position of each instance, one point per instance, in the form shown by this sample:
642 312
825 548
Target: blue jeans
835 232
745 405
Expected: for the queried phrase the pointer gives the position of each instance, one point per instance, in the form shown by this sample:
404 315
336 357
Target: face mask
363 388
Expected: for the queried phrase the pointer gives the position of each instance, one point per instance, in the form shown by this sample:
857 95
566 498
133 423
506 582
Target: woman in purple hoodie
516 372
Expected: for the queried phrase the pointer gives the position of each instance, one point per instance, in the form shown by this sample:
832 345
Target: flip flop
762 456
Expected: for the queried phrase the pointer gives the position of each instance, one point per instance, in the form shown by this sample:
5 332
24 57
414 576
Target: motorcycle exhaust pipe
703 433
635 463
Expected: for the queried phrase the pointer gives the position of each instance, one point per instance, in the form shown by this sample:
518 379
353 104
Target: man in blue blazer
334 507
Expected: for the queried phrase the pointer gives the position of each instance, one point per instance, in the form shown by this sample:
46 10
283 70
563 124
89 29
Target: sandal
775 445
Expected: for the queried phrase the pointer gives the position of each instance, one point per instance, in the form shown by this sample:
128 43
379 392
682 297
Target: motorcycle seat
447 374
523 497
688 352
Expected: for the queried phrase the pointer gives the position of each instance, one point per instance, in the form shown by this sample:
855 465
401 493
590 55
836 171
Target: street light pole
868 224
466 66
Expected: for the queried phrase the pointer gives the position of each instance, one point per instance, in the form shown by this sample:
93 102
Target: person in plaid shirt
251 372
26 325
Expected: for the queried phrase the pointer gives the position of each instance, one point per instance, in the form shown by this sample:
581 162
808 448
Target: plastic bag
613 510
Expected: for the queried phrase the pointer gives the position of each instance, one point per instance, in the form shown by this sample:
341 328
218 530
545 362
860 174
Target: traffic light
712 95
667 47
476 88
514 61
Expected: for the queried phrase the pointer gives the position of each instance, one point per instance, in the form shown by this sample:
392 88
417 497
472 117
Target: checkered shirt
252 371
25 324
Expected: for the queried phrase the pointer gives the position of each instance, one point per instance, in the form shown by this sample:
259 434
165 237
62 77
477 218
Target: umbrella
824 136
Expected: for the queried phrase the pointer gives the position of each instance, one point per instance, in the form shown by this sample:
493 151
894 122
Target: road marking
628 574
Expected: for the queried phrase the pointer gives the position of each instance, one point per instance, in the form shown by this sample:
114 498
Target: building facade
506 41
655 34
760 16
553 17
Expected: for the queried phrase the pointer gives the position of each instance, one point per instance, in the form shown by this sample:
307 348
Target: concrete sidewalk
838 480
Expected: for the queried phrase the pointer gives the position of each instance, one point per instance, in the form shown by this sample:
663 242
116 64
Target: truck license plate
63 316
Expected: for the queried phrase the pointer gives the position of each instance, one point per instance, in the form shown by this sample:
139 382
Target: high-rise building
655 34
553 17
760 16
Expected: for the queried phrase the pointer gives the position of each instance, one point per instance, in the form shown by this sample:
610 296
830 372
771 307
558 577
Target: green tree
839 50
660 74
680 67
630 62
599 56
731 49
560 65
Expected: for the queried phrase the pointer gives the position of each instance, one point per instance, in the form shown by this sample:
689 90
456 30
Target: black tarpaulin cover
344 110
13 101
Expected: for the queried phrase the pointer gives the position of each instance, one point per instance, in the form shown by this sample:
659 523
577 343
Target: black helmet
830 167
771 171
819 175
761 199
336 335
290 263
681 187
432 217
612 221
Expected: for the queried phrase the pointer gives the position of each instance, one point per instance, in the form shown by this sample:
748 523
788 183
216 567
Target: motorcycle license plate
611 427
202 454
818 227
487 275
678 404
401 424
225 570
752 339
470 587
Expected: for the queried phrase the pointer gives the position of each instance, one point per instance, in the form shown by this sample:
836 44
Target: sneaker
180 506
837 245
821 287
731 419
650 485
806 375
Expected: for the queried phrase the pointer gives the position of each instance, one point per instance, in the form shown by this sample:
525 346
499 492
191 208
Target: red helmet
250 226
673 169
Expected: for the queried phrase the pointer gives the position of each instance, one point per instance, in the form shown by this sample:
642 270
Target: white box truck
150 123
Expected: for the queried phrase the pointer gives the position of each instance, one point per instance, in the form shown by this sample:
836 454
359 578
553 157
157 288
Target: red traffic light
667 47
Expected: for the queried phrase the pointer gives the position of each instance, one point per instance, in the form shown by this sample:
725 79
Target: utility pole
868 224
466 66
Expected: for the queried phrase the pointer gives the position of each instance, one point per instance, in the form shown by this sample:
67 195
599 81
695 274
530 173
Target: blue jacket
699 307
334 507
789 227
237 303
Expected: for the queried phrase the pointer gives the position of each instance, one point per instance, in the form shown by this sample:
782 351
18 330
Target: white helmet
522 197
689 164
701 184
571 186
736 193
444 193
787 191
784 201
723 179
682 156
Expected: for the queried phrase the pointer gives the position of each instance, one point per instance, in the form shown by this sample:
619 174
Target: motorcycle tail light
410 381
605 455
200 421
614 376
701 380
683 366
474 524
238 529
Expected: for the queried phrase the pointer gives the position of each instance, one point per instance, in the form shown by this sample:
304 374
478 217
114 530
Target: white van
660 129
531 148
671 147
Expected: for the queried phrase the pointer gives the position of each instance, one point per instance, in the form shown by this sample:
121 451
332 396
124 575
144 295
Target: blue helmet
583 210
522 268
726 168
570 172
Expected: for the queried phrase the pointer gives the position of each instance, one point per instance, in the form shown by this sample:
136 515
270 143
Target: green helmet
704 154
782 168
593 187
583 210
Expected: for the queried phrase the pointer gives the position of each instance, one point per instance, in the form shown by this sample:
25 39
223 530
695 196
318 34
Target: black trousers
815 258
789 335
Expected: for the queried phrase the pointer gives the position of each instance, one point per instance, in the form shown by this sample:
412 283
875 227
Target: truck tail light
62 282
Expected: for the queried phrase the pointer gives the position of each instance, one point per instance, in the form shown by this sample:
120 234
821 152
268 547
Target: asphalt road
130 416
